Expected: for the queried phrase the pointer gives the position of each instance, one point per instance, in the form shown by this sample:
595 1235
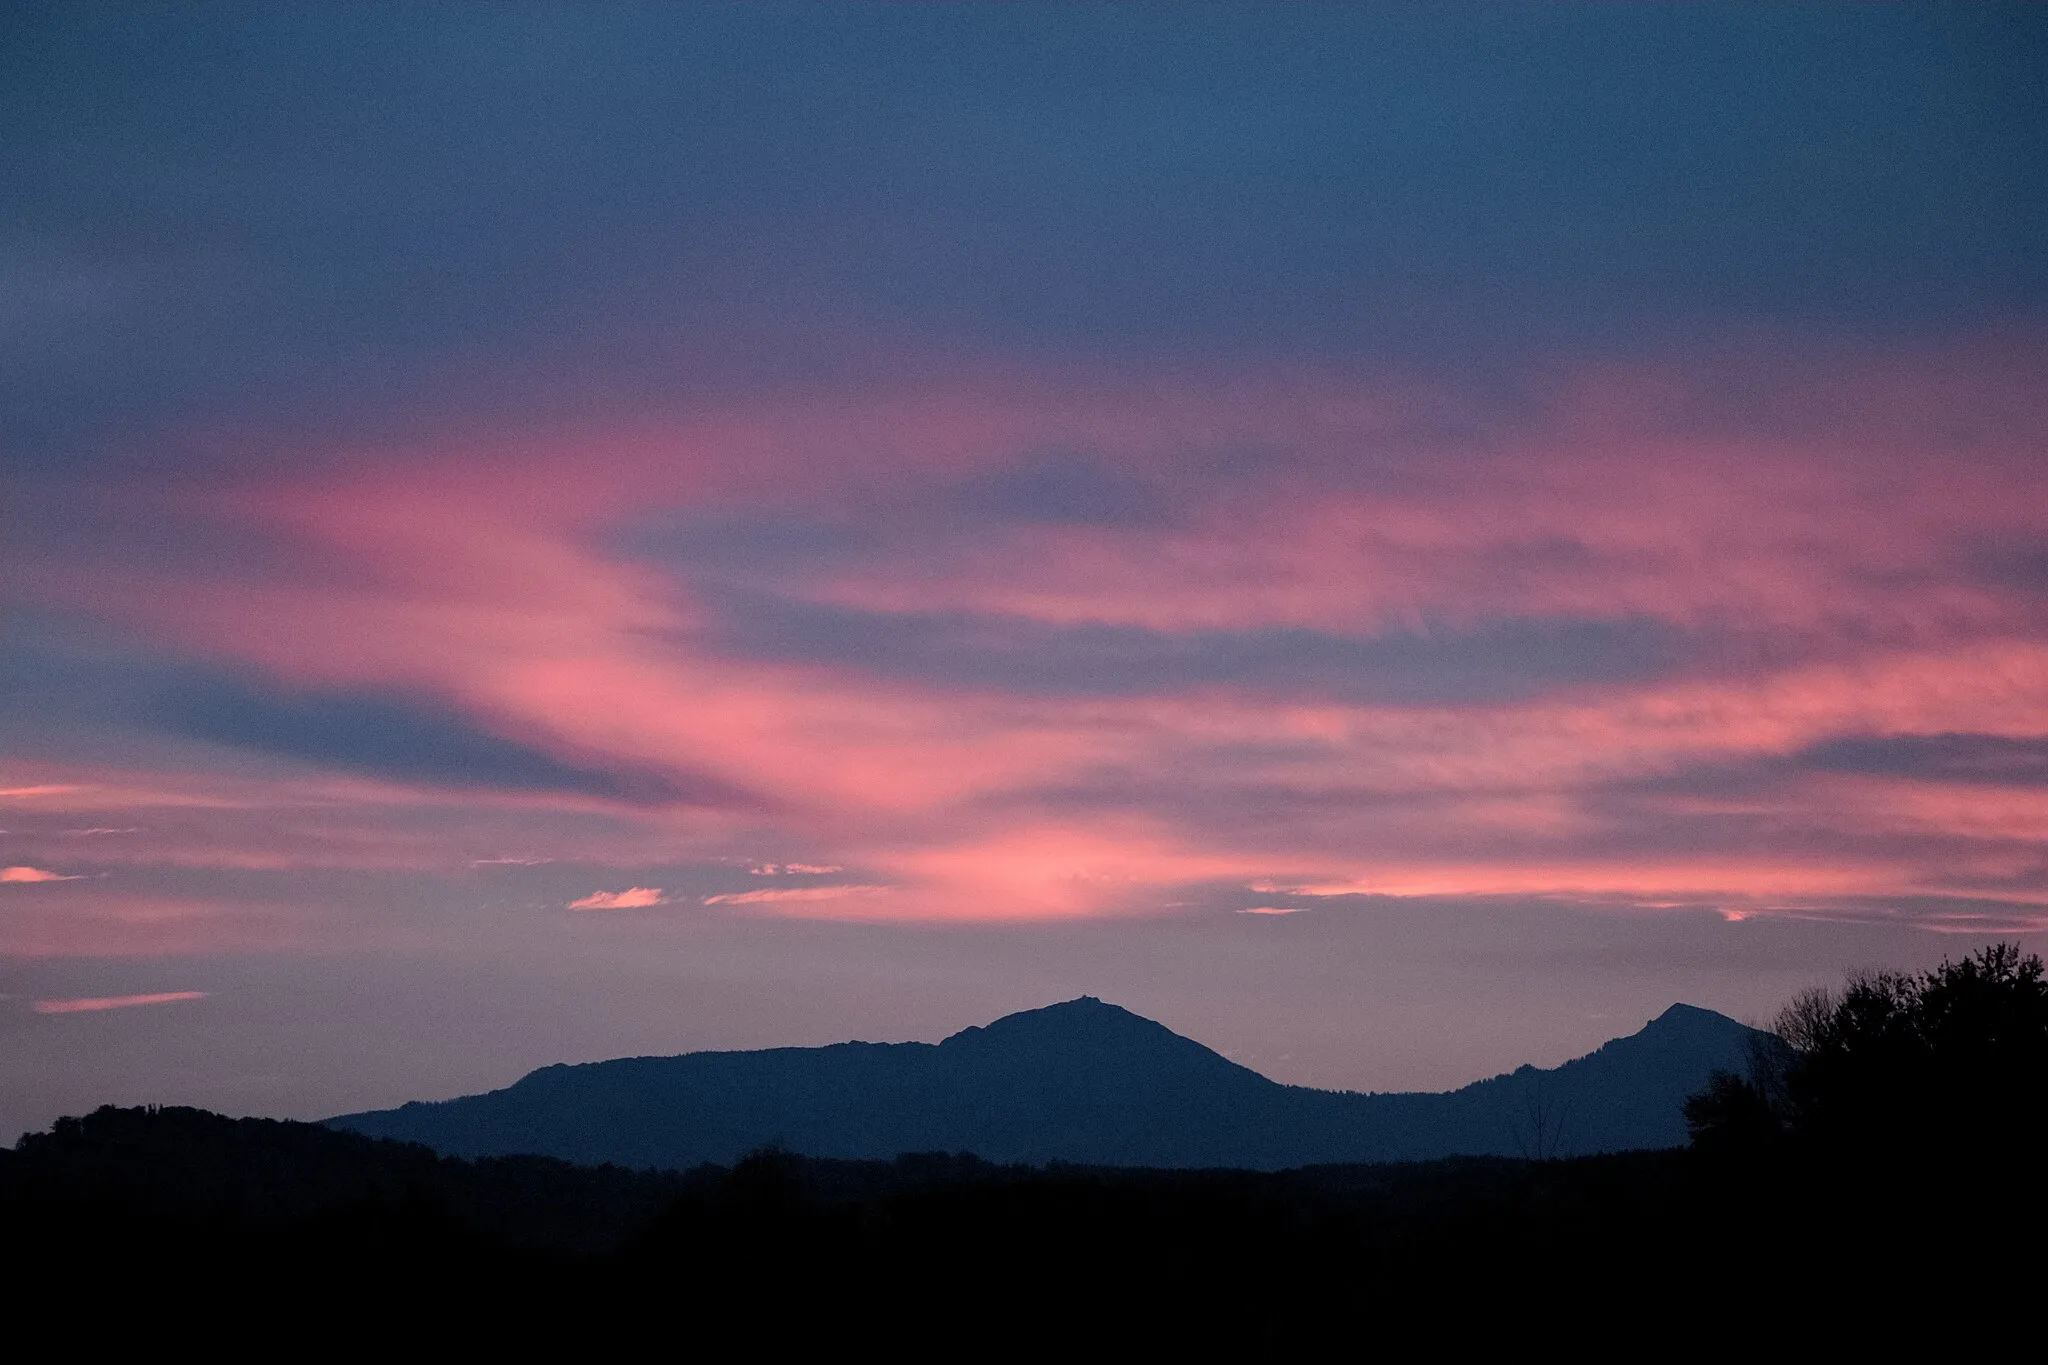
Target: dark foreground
179 1225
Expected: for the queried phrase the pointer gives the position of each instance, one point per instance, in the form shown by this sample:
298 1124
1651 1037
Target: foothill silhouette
1083 1081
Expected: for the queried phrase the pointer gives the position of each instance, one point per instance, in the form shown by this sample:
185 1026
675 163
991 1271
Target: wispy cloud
34 874
630 899
92 1003
1603 651
793 893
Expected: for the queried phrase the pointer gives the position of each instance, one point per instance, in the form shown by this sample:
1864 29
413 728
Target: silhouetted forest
1871 1171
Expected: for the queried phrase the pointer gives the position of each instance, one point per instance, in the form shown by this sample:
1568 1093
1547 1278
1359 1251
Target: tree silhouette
1943 1063
1538 1130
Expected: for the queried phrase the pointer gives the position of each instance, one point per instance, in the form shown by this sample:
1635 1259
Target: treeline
186 1221
1874 1156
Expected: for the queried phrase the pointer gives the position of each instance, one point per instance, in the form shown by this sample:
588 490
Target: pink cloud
93 1003
631 899
1814 569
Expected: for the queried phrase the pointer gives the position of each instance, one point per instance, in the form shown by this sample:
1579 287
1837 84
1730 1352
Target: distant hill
1084 1082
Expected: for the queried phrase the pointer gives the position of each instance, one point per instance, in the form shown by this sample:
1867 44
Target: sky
1397 540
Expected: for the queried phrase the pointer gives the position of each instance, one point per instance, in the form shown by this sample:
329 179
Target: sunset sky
1397 541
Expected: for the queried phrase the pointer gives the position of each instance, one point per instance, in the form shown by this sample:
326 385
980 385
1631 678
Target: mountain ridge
1081 1081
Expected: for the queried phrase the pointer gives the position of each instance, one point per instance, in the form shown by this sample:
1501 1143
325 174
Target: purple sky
1396 542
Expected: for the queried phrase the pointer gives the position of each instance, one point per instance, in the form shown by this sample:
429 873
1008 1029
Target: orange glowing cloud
34 874
631 899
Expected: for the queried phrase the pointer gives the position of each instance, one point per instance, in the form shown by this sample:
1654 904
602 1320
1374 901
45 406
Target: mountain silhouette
1083 1082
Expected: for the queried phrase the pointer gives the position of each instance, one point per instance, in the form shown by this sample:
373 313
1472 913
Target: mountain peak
1085 1017
1683 1028
1693 1019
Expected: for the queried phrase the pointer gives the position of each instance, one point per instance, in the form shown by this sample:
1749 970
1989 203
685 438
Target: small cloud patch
92 1004
630 899
1272 909
794 869
33 874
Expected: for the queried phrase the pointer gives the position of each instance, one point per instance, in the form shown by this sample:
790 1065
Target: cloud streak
92 1004
787 895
